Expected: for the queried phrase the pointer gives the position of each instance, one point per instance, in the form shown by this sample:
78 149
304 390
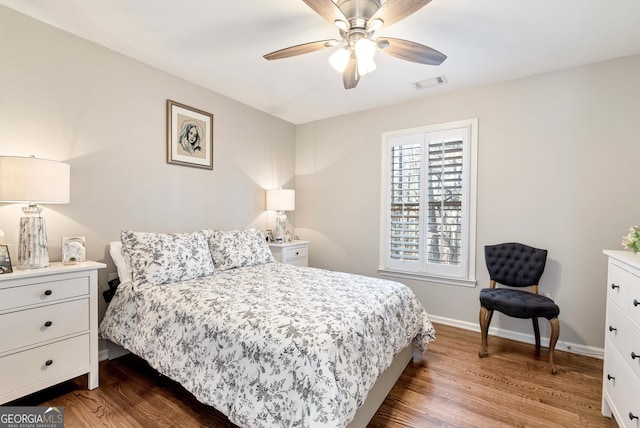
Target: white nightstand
48 327
292 253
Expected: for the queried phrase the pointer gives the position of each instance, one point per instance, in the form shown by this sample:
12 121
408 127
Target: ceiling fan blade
410 51
301 49
350 76
326 9
395 10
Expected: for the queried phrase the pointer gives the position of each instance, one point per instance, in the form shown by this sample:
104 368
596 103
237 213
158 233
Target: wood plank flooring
452 388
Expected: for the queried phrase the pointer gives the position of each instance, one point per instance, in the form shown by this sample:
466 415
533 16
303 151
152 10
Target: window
428 202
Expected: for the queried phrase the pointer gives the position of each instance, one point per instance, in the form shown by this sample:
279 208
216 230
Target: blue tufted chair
517 265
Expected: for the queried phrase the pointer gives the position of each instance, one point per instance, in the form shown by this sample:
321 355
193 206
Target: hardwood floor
453 388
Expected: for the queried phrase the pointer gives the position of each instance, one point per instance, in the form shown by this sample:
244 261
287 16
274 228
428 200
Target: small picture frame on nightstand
5 260
73 249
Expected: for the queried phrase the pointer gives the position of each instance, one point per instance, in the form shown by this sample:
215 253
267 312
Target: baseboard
589 351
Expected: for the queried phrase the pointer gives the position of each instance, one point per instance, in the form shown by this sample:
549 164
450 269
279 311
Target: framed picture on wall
5 260
189 136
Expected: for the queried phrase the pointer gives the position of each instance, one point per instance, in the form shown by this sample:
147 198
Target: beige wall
558 169
67 99
558 158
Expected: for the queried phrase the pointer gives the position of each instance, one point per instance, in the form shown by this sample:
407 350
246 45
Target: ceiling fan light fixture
366 66
339 59
374 24
365 49
342 25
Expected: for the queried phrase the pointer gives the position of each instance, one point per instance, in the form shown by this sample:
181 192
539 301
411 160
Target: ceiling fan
357 21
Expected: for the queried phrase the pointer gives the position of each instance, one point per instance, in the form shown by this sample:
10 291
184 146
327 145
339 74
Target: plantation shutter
405 202
426 221
444 224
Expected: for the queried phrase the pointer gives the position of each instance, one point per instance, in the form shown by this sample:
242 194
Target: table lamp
34 181
281 200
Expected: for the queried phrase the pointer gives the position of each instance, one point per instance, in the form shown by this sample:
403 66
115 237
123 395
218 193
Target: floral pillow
238 248
160 258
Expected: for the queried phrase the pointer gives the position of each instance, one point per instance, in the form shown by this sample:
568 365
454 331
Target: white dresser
621 375
293 253
48 327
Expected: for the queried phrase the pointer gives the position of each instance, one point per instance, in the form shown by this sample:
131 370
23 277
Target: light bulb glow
339 59
365 49
365 66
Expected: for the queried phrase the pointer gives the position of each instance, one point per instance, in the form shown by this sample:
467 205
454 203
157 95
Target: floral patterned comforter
271 345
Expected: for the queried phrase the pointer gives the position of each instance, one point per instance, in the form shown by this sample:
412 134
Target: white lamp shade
281 200
34 180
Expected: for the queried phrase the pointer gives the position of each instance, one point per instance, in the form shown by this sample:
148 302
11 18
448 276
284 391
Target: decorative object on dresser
5 260
73 249
189 136
49 327
621 375
291 253
632 240
281 200
517 265
32 180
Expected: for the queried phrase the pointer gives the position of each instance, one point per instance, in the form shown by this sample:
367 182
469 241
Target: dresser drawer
624 337
629 400
33 326
43 292
27 368
294 253
618 286
612 373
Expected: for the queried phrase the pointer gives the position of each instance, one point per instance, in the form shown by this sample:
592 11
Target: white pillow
238 248
124 271
160 258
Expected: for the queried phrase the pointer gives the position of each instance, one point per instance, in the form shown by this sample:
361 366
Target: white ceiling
219 45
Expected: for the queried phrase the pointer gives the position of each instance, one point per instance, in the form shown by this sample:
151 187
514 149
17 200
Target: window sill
464 282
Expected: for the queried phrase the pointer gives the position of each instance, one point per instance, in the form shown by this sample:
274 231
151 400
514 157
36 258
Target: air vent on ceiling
428 83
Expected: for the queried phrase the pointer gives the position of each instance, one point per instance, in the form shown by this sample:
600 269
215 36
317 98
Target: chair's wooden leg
485 320
555 333
536 331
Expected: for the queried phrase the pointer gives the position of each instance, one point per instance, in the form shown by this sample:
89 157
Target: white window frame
463 274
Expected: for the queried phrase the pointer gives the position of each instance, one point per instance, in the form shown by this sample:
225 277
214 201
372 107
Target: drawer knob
48 362
610 377
612 328
48 324
632 416
634 355
298 253
613 286
635 302
48 293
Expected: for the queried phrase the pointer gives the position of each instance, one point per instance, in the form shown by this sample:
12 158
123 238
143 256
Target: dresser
48 327
292 253
621 375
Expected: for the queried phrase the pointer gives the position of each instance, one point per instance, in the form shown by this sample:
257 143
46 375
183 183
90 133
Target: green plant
632 240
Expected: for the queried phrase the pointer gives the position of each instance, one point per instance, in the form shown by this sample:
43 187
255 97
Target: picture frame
5 260
189 136
73 249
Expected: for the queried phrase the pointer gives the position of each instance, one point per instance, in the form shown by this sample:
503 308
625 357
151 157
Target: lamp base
281 221
32 245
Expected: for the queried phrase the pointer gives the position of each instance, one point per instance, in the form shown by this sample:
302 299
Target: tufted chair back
514 264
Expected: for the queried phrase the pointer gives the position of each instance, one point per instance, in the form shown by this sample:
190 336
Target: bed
265 343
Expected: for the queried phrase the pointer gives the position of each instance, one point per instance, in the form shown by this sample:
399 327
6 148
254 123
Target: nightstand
48 327
292 253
